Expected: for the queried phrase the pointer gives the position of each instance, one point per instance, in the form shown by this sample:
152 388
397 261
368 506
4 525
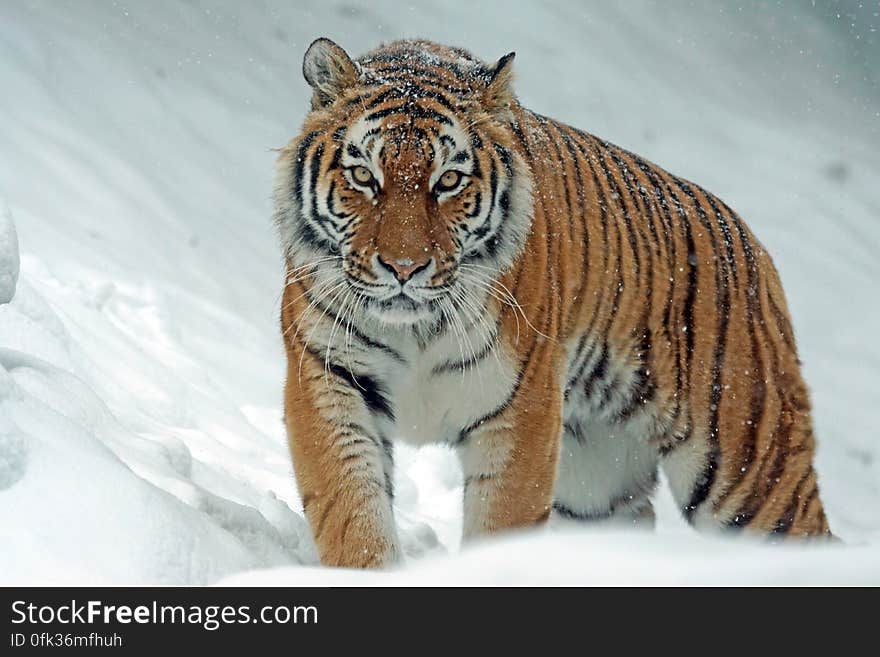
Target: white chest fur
433 396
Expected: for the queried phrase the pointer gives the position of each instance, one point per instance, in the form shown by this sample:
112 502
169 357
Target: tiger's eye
362 175
448 181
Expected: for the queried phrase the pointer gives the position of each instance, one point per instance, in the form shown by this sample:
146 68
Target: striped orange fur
568 316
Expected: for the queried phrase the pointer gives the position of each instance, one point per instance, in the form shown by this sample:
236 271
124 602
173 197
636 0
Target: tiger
566 316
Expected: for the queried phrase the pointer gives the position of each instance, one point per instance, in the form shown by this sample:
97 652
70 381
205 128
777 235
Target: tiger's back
677 334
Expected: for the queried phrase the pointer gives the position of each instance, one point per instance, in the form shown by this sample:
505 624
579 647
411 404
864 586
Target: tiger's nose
404 268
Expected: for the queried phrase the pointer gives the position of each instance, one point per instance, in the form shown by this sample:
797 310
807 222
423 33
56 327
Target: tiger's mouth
401 309
400 300
409 301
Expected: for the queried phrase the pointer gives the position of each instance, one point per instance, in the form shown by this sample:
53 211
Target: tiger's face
416 205
404 195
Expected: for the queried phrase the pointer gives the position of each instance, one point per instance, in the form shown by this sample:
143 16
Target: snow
9 259
604 558
140 361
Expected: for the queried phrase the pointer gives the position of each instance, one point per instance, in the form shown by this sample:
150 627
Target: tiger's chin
402 311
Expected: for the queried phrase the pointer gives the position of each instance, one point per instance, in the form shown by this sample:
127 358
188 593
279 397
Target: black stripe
465 433
370 133
368 341
600 370
603 220
603 204
477 207
571 514
784 522
758 404
691 293
579 187
372 392
623 499
413 111
782 323
483 229
722 299
672 261
727 236
566 184
576 432
627 219
410 92
687 311
337 157
388 469
460 366
331 206
299 165
325 223
470 479
644 388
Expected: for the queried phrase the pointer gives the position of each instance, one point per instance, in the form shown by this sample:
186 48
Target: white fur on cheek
370 146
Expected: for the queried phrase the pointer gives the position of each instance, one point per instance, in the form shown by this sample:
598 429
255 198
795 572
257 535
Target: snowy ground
140 363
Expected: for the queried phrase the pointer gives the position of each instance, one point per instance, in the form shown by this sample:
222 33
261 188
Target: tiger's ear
329 70
498 95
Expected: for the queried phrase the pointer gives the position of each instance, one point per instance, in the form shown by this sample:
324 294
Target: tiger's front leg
342 466
509 461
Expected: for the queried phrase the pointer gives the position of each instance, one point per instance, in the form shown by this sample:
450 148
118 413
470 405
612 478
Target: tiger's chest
442 388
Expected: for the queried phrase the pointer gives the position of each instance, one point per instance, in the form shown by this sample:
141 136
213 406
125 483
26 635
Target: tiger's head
405 193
